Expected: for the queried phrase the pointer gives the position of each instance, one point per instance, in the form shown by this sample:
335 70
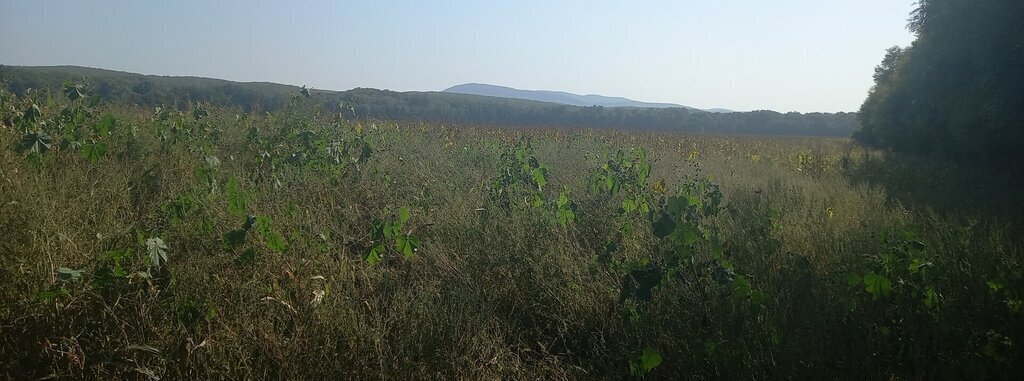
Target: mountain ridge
562 97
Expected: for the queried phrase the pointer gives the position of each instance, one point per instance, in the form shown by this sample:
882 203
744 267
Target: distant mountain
552 96
560 97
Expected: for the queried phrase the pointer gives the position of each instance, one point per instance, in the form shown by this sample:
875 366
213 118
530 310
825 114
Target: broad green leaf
650 359
694 201
538 201
628 205
676 205
38 142
67 274
263 225
94 151
689 233
377 231
403 215
373 254
521 154
644 362
566 216
32 113
664 226
236 198
392 229
157 251
105 126
407 244
643 171
73 91
276 242
539 178
117 255
878 285
741 287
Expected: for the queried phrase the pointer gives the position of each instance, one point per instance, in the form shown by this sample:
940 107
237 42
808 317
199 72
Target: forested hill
146 90
150 90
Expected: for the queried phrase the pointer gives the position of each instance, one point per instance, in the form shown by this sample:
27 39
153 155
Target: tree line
957 92
144 90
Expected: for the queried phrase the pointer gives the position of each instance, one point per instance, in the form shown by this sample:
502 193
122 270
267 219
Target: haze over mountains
560 97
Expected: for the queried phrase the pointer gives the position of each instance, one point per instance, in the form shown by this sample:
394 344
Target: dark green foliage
958 91
36 142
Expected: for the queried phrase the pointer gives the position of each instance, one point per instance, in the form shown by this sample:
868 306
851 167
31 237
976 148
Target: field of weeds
209 244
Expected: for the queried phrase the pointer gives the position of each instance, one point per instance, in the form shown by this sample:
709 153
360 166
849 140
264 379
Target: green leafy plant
622 170
207 172
157 251
565 209
74 91
111 266
37 142
236 197
388 235
94 151
521 181
521 176
685 242
903 269
64 276
644 362
274 241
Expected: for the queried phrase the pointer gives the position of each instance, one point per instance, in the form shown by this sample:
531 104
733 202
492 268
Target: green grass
829 267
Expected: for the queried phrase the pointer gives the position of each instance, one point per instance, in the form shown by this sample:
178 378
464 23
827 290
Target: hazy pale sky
784 55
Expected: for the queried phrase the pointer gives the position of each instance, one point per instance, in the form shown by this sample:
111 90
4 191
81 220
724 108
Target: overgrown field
208 244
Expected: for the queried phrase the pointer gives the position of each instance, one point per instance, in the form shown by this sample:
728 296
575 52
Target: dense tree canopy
958 90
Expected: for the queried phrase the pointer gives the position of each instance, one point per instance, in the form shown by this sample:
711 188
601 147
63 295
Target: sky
783 55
